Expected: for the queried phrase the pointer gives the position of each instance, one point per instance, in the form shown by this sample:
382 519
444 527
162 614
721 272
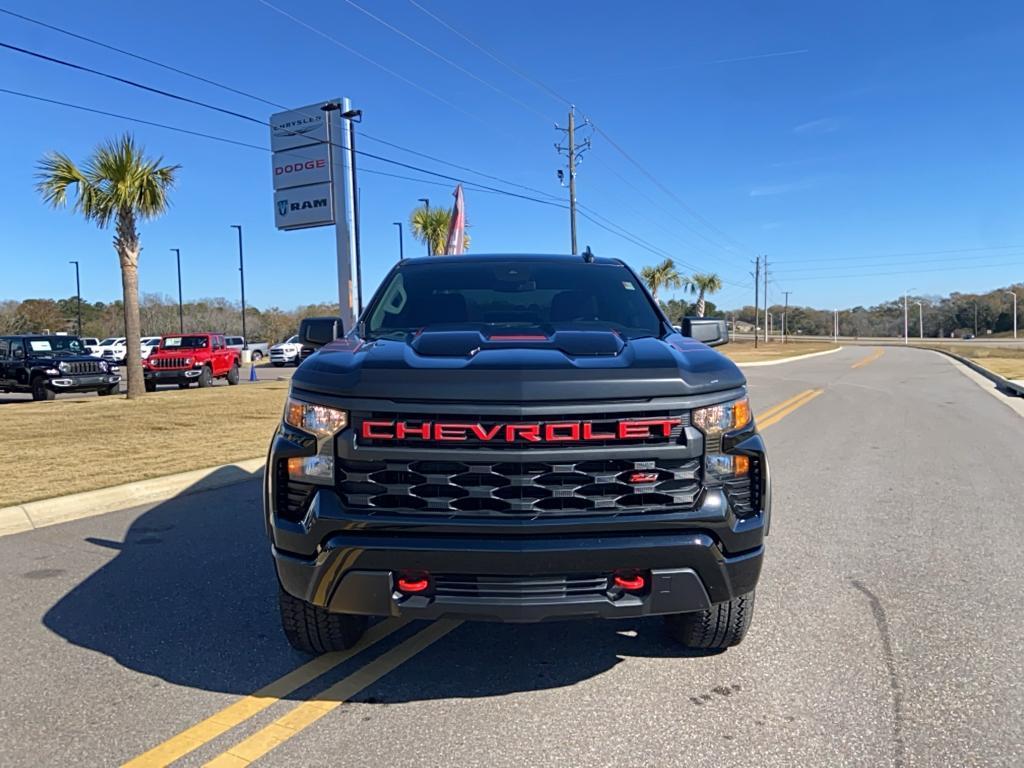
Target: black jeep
46 365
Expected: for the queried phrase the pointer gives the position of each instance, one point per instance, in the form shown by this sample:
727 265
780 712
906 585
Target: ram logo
282 207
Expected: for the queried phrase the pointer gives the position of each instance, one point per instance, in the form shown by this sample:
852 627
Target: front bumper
85 383
172 375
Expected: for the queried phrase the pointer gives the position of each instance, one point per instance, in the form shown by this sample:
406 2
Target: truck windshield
184 342
55 345
547 296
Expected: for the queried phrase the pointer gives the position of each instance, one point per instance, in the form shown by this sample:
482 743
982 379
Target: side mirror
318 331
709 331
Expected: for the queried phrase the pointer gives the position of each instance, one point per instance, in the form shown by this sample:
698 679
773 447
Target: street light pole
975 319
401 245
181 312
1014 294
241 271
920 320
78 295
426 207
906 320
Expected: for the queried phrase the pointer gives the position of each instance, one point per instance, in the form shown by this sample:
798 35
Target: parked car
149 344
258 349
288 352
48 365
89 343
114 350
192 357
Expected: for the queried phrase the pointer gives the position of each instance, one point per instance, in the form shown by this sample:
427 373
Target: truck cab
191 358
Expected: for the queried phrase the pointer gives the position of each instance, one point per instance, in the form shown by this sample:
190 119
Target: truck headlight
719 467
319 420
103 366
64 367
724 417
315 469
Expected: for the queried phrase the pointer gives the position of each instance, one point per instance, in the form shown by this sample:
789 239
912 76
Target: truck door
5 346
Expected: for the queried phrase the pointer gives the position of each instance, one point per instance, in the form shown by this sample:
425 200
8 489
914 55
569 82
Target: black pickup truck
46 366
516 438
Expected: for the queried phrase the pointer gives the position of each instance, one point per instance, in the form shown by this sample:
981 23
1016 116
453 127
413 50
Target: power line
446 60
896 263
255 97
904 253
906 272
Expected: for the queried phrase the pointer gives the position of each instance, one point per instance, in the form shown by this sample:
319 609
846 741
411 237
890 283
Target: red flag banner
456 242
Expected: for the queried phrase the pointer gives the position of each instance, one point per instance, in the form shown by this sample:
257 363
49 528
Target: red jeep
184 358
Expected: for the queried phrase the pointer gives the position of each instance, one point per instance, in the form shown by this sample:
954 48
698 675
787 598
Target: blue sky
848 142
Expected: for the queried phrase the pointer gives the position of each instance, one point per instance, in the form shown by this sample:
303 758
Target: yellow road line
869 359
779 414
305 714
220 722
779 406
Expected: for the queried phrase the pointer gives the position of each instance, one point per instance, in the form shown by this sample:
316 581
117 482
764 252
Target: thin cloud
782 189
757 56
818 127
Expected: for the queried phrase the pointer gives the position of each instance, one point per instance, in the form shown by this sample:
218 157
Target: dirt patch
744 352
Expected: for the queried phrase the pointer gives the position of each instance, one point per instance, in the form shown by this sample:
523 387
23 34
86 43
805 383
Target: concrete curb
38 514
1006 385
794 359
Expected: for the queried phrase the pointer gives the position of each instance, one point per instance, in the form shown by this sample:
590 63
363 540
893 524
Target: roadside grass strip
221 722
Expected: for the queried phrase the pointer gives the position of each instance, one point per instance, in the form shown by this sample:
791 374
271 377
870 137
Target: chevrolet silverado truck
184 359
516 438
46 366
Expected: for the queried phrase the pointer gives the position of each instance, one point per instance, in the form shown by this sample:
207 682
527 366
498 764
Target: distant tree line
943 316
159 316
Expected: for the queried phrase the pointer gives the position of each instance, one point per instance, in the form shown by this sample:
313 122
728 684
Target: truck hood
470 366
52 361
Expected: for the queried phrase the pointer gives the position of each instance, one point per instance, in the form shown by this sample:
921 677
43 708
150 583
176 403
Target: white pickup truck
288 352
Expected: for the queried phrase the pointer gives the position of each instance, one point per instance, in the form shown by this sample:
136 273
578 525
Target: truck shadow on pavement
191 598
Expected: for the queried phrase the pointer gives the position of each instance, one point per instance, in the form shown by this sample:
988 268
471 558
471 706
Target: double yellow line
869 359
778 412
305 713
302 715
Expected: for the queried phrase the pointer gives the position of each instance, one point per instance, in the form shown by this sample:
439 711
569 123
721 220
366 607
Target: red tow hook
413 583
630 581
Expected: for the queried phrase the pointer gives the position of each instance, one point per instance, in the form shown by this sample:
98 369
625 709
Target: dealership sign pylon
312 165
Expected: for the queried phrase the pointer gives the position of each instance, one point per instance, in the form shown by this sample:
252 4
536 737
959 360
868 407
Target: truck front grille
520 490
85 368
521 587
168 362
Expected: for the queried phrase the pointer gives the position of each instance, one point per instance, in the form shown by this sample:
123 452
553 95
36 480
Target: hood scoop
469 343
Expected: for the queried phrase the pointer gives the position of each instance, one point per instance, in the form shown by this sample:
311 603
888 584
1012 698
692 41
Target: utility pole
241 270
573 157
920 320
426 207
835 326
785 314
401 245
181 312
757 288
975 319
78 295
766 298
906 322
1012 293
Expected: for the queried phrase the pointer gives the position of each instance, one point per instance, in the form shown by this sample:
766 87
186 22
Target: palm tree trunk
127 244
700 304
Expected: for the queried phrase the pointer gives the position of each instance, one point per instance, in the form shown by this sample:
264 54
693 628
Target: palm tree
701 284
117 183
430 225
663 275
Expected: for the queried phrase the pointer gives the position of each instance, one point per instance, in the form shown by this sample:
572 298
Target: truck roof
485 257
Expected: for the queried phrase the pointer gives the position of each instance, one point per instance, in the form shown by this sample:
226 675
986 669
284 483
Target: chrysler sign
298 128
298 207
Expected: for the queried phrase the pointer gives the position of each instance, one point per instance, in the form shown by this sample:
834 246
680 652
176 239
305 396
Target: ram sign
299 207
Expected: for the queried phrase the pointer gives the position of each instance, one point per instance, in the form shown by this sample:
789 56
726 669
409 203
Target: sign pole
344 216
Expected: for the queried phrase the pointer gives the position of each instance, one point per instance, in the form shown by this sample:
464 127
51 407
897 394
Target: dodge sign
299 167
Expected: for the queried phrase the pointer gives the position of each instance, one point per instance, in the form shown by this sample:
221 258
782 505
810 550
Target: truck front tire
314 630
151 386
719 627
233 375
40 391
206 377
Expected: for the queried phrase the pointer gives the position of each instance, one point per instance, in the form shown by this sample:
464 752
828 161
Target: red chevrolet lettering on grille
532 432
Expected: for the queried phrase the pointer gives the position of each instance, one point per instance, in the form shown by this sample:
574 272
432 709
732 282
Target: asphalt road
887 633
